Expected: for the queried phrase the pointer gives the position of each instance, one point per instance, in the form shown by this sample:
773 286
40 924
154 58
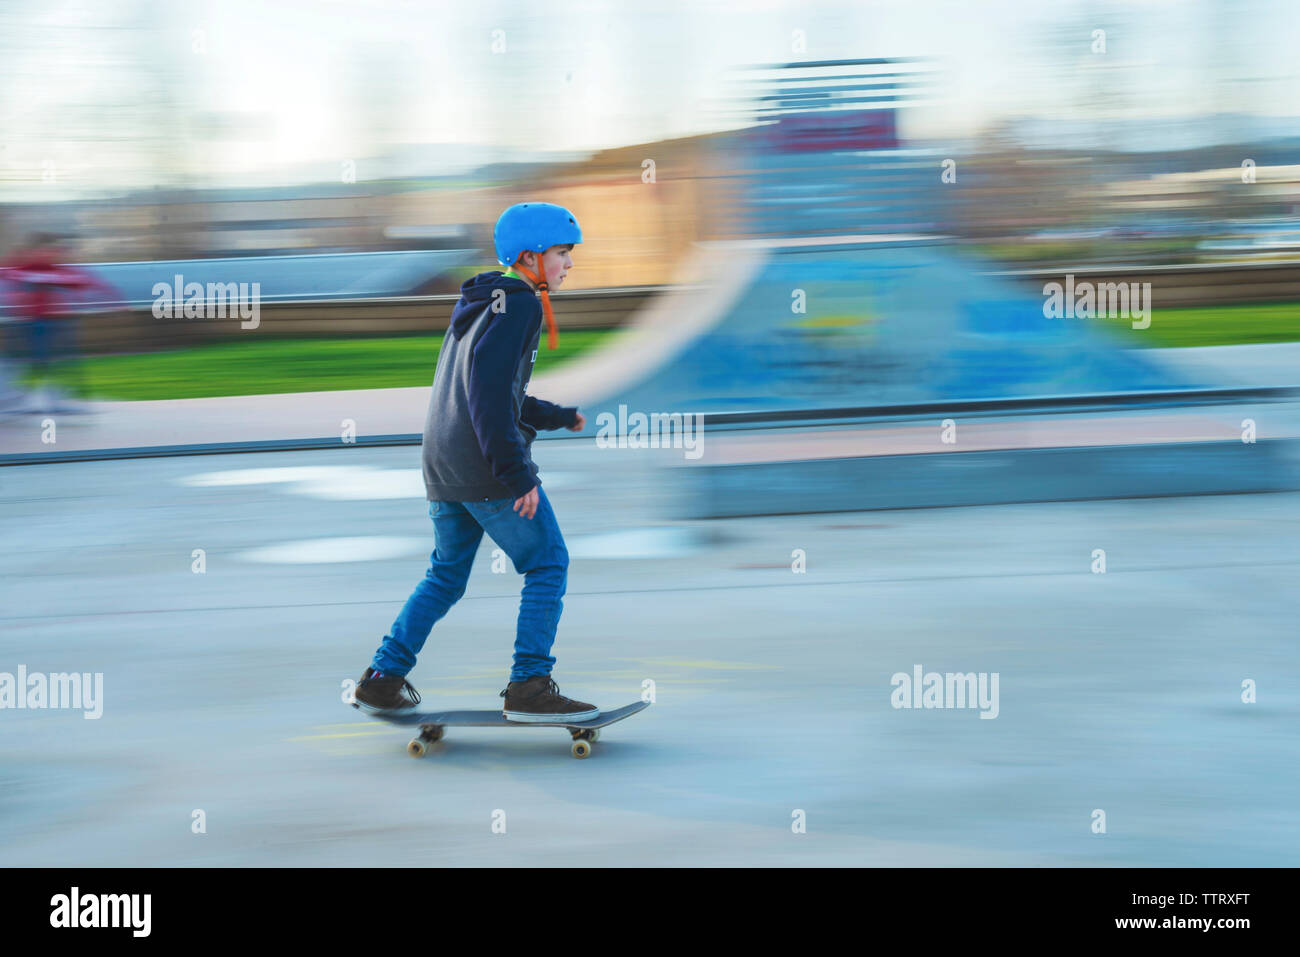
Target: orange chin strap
552 337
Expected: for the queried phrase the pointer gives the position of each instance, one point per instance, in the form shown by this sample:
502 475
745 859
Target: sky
125 93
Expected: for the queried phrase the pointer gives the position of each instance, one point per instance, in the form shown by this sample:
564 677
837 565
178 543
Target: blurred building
637 218
816 149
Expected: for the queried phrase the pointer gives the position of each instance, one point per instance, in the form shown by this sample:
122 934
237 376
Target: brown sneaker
538 699
378 692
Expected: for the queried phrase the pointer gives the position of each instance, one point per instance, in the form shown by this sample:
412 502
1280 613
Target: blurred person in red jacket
40 292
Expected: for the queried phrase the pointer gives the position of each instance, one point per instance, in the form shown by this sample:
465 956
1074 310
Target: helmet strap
539 280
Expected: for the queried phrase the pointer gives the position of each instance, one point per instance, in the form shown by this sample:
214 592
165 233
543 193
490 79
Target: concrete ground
1119 692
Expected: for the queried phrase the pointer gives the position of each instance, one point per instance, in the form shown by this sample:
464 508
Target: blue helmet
535 226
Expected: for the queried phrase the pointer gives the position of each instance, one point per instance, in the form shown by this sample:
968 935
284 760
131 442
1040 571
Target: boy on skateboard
479 475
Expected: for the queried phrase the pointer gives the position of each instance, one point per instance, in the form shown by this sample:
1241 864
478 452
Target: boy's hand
579 425
526 505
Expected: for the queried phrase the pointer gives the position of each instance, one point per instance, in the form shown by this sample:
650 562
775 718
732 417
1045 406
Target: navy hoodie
481 422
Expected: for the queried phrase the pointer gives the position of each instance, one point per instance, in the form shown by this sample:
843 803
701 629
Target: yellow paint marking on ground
704 663
832 322
342 734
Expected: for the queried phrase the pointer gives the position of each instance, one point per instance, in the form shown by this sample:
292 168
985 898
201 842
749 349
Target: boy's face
556 261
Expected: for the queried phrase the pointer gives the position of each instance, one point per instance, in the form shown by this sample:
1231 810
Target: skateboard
432 724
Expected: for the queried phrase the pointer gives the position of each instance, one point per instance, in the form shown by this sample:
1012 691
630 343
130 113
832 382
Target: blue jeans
536 548
49 340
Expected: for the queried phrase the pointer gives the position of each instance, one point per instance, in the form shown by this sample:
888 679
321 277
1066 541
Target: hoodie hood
476 292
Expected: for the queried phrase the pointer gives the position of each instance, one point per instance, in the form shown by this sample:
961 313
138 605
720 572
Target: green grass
257 367
1214 325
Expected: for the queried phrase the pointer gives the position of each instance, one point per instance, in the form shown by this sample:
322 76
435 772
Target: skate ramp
705 290
882 323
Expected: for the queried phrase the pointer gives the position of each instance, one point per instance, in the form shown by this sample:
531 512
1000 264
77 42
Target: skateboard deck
432 723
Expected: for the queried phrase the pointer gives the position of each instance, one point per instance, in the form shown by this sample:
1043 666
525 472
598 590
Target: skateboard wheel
581 748
431 733
417 748
593 736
